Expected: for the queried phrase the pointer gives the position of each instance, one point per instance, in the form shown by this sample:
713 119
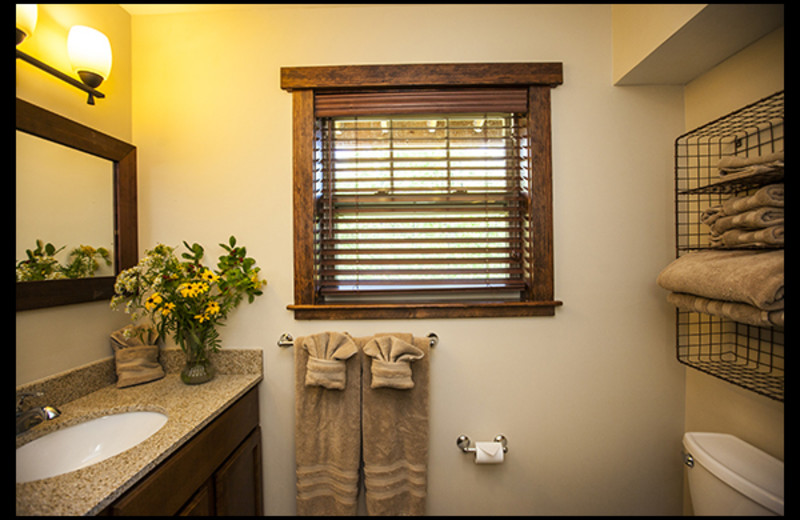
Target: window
422 190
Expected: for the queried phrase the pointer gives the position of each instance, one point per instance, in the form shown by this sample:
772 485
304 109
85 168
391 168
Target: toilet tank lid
752 472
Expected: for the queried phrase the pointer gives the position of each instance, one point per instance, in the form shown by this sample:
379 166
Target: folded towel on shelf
136 355
766 237
766 196
746 276
391 361
753 219
740 312
395 433
769 195
327 353
744 166
327 432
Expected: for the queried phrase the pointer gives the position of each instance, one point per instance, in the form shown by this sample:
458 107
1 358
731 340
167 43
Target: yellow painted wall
48 340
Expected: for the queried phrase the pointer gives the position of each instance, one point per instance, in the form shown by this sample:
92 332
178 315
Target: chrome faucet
38 414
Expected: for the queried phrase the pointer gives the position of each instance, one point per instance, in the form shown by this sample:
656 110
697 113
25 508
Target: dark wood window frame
305 82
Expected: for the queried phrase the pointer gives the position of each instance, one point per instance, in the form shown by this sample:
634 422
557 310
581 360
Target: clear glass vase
198 368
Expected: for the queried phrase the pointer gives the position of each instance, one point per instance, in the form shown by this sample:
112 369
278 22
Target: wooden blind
430 203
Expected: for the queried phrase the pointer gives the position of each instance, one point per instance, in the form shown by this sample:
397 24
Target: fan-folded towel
136 356
741 312
395 425
752 277
327 425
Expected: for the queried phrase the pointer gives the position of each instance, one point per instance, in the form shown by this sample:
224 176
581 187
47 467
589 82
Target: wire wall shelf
748 356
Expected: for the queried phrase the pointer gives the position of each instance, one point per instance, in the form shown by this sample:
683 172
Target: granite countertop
189 408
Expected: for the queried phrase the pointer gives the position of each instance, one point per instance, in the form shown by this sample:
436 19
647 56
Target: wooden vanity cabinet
217 472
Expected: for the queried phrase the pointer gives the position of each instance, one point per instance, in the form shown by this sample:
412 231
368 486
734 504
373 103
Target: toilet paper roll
488 453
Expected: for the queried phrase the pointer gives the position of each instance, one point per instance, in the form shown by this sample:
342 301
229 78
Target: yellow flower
192 289
200 317
167 308
212 308
153 301
209 276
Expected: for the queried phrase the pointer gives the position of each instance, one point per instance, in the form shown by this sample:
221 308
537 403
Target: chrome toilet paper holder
463 443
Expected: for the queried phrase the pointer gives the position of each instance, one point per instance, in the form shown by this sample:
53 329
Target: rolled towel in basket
740 312
767 237
136 355
746 276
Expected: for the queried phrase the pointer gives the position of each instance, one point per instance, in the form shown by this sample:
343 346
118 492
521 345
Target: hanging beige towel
752 277
740 312
327 424
136 355
395 423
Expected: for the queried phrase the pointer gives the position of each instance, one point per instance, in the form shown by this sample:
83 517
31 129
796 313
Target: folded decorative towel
395 432
740 312
769 195
136 355
766 196
327 353
753 219
746 276
766 237
327 429
744 166
391 361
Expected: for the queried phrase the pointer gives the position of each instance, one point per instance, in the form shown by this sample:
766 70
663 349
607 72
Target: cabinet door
238 480
202 503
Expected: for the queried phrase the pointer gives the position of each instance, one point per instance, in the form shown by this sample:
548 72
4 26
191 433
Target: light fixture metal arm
60 75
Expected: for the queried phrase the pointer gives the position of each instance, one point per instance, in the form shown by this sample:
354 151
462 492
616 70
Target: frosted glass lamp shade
26 20
90 54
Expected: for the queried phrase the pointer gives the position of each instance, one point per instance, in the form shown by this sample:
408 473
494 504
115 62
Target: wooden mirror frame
47 125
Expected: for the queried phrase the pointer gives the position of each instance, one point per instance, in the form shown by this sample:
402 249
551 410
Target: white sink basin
84 444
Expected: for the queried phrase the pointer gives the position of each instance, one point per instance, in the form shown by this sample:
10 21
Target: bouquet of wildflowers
184 298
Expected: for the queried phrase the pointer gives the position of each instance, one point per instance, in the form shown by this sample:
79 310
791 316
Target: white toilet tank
728 476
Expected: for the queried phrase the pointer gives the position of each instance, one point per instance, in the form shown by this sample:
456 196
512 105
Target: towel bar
286 340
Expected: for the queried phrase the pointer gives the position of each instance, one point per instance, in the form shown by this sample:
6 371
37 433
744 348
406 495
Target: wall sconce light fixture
89 52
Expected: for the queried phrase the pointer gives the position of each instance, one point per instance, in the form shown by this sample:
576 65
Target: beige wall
591 400
639 29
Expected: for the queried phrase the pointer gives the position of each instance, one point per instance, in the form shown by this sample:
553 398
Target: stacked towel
136 355
740 167
327 424
750 278
395 374
748 221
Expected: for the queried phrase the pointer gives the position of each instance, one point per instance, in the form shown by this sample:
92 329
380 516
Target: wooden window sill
423 310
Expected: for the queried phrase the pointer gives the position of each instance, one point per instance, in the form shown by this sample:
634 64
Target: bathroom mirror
119 210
